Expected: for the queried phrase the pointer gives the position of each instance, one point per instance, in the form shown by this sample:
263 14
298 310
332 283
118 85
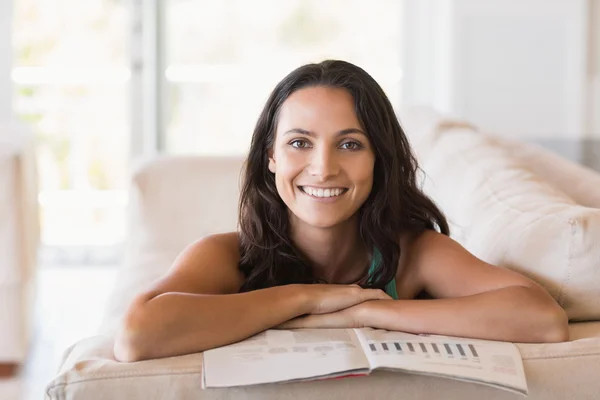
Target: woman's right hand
328 298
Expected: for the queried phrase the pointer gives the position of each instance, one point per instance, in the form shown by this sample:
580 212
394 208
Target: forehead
318 107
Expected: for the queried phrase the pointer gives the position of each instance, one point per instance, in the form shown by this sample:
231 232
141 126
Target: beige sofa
512 204
19 232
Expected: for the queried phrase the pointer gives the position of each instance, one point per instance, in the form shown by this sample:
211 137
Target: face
322 159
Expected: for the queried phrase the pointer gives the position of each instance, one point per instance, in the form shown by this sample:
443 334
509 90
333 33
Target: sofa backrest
175 200
508 216
580 183
424 126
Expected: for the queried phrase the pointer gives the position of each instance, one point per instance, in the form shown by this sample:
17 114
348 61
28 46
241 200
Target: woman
334 233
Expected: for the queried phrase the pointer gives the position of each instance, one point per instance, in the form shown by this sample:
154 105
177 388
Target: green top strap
390 288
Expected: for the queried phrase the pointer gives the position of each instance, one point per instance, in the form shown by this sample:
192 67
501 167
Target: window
198 80
71 85
224 57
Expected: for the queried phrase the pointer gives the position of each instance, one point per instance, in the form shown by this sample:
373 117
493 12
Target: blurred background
102 81
98 84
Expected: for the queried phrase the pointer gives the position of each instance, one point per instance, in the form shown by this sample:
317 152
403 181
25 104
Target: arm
512 314
177 323
472 299
477 299
196 306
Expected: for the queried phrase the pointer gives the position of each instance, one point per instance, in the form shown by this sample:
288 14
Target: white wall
519 68
5 59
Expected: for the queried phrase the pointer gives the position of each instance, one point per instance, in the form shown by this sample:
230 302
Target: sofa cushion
178 199
508 216
424 125
580 183
553 371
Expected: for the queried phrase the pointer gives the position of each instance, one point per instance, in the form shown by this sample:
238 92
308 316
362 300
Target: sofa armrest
19 238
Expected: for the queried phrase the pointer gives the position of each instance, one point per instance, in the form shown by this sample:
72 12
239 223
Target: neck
337 254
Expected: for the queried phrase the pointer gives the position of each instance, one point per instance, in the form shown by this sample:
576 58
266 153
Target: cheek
362 172
289 166
366 187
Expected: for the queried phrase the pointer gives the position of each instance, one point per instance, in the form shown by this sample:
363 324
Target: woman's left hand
351 317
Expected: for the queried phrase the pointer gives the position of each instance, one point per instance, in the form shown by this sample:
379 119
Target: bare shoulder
442 267
206 266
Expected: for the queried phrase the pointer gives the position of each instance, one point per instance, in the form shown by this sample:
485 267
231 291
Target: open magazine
312 354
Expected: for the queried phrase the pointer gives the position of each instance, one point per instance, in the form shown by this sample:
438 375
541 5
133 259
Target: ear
271 155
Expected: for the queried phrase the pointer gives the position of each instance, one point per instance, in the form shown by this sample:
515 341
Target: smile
323 192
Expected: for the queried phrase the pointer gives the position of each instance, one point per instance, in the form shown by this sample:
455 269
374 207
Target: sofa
19 237
511 203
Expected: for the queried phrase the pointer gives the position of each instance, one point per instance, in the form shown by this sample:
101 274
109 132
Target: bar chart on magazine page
494 363
454 351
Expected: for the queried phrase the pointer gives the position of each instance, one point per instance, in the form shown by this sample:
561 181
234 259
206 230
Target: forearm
515 314
182 323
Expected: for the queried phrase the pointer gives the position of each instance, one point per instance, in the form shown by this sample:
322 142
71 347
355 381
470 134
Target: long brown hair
395 204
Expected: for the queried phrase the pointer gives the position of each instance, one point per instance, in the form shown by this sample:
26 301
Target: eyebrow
309 133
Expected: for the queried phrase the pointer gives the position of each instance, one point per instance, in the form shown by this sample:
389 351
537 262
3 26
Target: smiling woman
334 232
329 125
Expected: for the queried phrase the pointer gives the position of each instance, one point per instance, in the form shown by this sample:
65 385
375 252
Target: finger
377 294
301 322
307 321
332 320
285 325
385 296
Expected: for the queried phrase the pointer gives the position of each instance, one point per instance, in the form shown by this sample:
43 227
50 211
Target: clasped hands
336 306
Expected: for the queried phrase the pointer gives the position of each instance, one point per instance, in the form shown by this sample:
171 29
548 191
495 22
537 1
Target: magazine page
285 355
497 364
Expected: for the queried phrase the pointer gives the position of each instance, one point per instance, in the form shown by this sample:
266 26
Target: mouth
322 193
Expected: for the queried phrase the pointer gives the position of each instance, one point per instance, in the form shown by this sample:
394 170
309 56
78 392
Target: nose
324 164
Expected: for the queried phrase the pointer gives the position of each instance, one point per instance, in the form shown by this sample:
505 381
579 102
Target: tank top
390 288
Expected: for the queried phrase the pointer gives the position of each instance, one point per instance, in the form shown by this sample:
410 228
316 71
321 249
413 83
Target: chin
315 221
322 224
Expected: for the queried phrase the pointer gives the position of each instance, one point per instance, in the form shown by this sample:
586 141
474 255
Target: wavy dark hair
396 204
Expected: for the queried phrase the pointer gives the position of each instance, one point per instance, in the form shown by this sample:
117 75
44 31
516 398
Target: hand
328 298
351 317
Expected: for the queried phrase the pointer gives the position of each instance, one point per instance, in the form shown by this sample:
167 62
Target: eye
299 144
351 146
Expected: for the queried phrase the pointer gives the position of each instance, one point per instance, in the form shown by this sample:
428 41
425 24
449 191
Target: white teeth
322 192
